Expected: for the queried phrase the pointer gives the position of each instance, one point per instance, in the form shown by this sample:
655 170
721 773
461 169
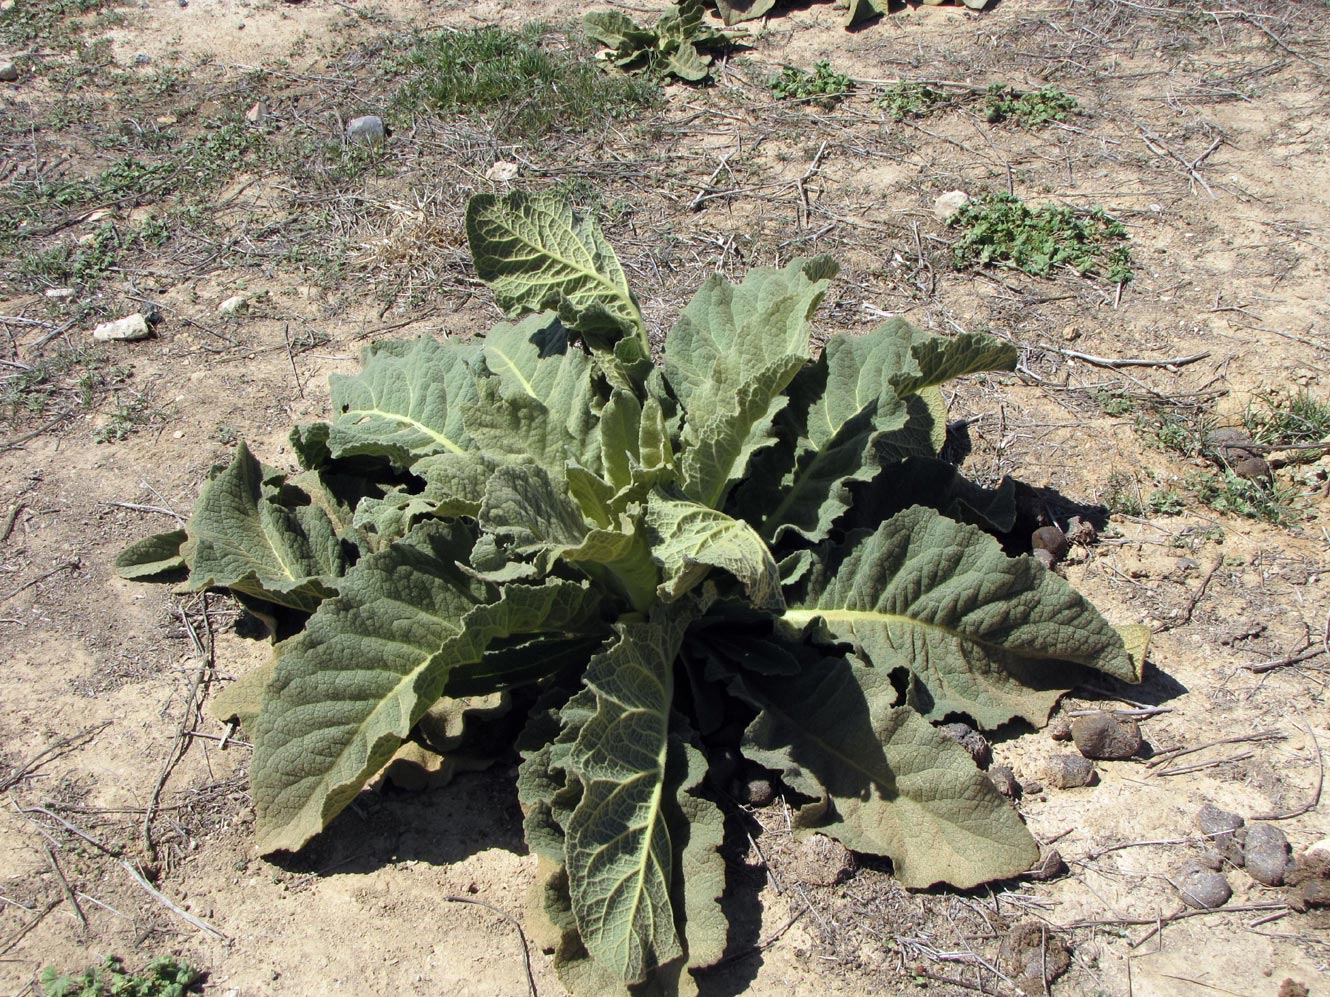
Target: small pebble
1201 888
822 861
130 327
1060 729
1225 830
1045 557
257 114
1004 781
1050 866
946 205
142 60
501 172
1081 531
234 306
971 740
8 72
1071 772
367 128
1265 854
1102 735
1051 539
59 292
1315 893
1032 787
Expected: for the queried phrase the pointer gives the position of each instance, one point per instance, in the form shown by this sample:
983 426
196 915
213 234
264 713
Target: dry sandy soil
1204 132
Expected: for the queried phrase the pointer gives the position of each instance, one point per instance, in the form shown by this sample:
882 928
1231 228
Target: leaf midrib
406 421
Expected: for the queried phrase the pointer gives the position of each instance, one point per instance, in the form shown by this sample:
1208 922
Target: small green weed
1124 495
913 100
1030 110
1169 430
1115 403
1167 502
164 977
999 228
520 77
1300 420
822 85
130 415
80 375
1269 501
50 23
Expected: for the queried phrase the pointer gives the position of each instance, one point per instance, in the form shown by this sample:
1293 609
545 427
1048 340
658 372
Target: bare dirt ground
1205 132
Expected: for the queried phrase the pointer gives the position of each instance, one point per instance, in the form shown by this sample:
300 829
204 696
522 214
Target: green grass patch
1271 502
65 378
165 977
531 82
823 84
999 228
1031 109
1292 422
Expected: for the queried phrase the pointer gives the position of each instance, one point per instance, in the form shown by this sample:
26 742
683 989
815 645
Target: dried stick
1315 798
526 953
32 763
10 520
64 884
1289 659
1164 757
172 756
165 901
1134 362
67 566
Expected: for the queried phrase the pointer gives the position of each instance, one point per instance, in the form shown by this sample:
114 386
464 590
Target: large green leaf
690 539
152 555
243 538
735 11
886 780
619 853
369 664
538 254
981 633
937 359
540 401
536 520
730 356
406 403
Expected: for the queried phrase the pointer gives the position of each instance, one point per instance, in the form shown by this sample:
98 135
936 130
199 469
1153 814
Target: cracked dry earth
1203 131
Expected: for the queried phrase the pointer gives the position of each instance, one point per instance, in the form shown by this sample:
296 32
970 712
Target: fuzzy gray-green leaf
152 555
690 539
981 633
619 854
369 664
245 540
891 783
538 254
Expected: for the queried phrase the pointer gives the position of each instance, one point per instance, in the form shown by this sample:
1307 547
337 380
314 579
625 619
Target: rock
1050 866
1225 830
1102 735
1060 729
1045 557
1315 894
1032 786
946 205
971 740
821 861
59 292
1070 772
142 60
1034 956
1231 447
1081 531
8 72
1004 781
1265 854
257 114
236 305
753 785
1051 539
130 327
367 128
1201 888
1250 466
1292 988
501 172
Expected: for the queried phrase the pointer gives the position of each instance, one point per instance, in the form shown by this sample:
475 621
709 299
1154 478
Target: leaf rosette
635 574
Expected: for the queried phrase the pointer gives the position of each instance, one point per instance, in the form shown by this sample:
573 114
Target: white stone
501 172
367 128
59 292
257 114
946 205
234 306
130 327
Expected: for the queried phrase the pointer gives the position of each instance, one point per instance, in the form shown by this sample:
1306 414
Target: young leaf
894 785
349 689
688 539
619 855
152 555
981 633
537 254
246 541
